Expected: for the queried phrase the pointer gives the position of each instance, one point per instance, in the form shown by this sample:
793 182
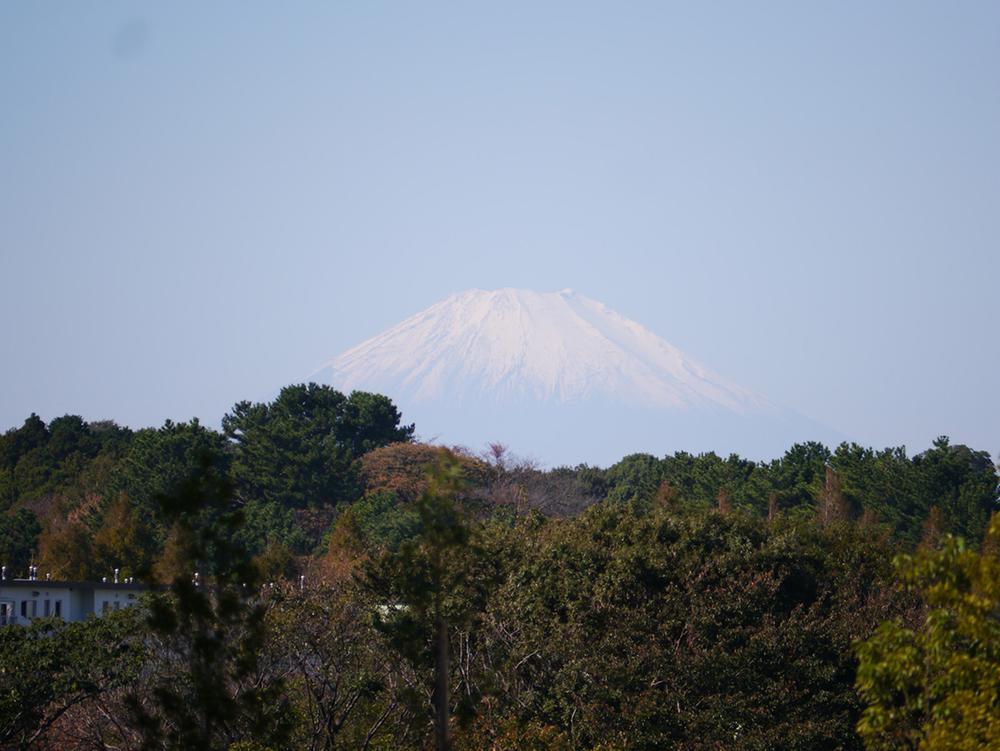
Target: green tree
16 444
688 630
961 483
51 667
18 536
936 687
204 688
300 449
37 461
266 524
159 461
634 479
383 522
799 475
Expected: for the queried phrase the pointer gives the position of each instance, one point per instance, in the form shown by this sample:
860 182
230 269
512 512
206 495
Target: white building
21 600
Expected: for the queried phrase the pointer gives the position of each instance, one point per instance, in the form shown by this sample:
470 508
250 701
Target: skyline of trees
79 498
480 602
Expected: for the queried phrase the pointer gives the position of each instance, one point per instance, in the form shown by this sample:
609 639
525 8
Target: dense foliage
301 449
481 602
936 686
80 499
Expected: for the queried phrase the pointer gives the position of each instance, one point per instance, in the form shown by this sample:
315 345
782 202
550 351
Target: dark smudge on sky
131 39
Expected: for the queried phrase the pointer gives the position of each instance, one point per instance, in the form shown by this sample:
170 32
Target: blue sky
202 202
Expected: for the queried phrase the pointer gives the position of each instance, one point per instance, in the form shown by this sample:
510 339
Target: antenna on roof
116 576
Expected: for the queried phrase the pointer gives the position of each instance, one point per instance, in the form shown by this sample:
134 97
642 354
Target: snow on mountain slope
517 347
562 378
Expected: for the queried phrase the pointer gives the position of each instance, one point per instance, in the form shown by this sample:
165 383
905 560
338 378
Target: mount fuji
559 377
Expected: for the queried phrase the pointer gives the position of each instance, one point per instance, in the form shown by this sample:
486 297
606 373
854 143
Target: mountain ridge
559 376
511 345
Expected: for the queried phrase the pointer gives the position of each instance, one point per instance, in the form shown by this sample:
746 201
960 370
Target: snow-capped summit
559 376
514 346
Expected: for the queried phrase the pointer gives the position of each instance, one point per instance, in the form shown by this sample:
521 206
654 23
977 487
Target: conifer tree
204 691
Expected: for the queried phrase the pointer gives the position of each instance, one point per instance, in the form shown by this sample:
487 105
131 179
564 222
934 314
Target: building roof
57 584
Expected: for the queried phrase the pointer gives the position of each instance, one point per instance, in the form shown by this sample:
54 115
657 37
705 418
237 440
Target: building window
105 606
34 608
24 608
48 605
58 608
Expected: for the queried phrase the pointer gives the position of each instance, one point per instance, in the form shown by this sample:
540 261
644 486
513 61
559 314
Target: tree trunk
441 734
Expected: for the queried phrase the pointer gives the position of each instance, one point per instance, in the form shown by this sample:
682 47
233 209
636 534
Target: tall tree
421 584
961 482
205 689
300 449
159 461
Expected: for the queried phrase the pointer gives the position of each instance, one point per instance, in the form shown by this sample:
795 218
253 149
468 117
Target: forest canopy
366 590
